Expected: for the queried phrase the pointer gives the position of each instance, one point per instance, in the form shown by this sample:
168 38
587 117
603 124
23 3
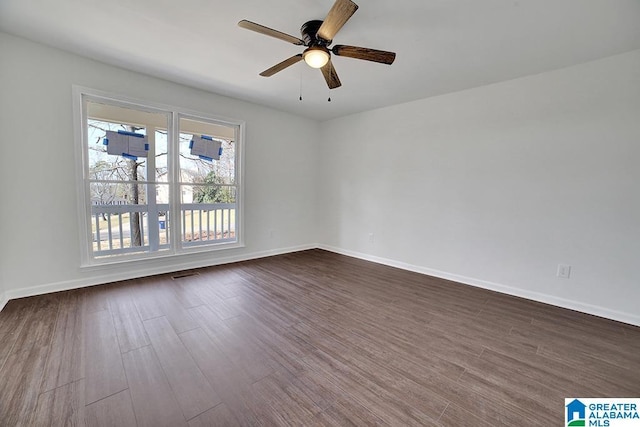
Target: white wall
39 235
497 185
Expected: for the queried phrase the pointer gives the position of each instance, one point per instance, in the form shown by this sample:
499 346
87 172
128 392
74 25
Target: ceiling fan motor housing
309 32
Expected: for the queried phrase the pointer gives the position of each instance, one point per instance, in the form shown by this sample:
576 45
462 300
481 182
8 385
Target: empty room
320 213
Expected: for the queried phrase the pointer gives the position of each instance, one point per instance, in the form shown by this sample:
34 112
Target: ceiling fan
317 36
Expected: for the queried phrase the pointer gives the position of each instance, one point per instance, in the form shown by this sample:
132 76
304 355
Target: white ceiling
442 45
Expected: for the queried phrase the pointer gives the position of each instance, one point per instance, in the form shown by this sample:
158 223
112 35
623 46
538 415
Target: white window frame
80 94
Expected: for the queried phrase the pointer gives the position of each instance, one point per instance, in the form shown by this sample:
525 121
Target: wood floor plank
146 298
218 416
63 406
112 411
348 413
154 403
627 378
484 406
127 321
364 365
540 398
389 407
22 373
583 341
191 388
214 363
230 381
39 324
239 349
516 403
154 299
20 382
252 409
65 361
269 336
557 375
184 288
401 359
455 416
104 373
95 298
12 320
228 308
289 403
285 352
208 295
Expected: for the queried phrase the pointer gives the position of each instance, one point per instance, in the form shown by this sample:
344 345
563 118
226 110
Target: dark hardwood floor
311 338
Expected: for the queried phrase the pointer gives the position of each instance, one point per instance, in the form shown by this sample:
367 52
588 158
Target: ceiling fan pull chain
300 85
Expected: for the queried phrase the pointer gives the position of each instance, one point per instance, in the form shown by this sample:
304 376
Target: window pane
103 165
119 226
199 169
163 211
212 194
117 193
161 156
115 161
210 221
208 184
127 201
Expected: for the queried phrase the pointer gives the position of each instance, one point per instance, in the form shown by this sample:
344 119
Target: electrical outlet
371 238
564 271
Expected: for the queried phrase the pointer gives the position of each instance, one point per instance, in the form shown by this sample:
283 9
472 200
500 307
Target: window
155 181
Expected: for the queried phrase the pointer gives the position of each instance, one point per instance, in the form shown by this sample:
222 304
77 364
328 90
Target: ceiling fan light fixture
316 56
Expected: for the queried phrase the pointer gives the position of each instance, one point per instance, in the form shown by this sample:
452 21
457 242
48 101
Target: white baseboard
629 318
116 275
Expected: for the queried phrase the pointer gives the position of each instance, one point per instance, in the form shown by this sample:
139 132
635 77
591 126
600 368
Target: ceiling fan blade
330 76
248 25
339 14
281 66
367 54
